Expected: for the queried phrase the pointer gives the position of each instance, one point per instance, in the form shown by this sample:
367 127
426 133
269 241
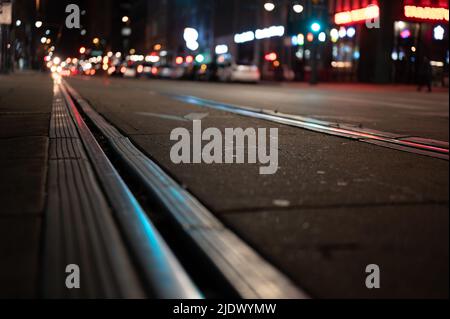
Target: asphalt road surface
335 205
396 109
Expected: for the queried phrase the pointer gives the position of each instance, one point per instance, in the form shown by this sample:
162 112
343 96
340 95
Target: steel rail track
431 148
93 221
249 275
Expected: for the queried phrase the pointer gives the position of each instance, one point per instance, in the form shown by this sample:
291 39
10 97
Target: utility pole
314 67
318 24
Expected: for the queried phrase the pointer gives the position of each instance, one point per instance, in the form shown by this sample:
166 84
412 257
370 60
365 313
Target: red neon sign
358 15
426 13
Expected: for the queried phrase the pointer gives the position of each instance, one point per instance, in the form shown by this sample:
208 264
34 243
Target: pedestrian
425 75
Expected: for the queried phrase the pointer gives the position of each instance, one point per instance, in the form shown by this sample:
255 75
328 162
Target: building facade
389 45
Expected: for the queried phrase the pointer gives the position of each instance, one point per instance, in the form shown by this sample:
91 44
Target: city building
273 35
377 41
159 25
386 41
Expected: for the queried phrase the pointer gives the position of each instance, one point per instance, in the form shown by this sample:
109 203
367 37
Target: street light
125 19
190 36
269 6
56 60
18 23
322 37
38 24
298 8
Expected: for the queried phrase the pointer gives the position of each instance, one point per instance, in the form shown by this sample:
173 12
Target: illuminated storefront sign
244 37
358 15
426 13
274 31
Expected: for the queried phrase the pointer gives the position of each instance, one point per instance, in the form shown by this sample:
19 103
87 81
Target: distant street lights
38 24
298 8
191 36
270 6
125 19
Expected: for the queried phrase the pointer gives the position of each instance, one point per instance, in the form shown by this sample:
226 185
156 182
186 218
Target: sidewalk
25 106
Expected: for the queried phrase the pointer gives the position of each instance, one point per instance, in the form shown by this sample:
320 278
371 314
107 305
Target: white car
129 71
165 71
238 72
171 72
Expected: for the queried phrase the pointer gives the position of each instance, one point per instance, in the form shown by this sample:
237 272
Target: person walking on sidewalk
425 75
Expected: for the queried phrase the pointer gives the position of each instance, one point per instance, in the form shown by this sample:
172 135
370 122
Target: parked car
238 72
167 71
130 70
146 69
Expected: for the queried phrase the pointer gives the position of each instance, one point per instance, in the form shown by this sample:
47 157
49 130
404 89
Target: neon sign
426 13
274 31
358 15
244 37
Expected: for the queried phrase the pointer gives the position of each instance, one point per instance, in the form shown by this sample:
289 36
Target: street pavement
335 205
396 109
25 106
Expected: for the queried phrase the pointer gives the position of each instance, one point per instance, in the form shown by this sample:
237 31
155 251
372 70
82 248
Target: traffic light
315 27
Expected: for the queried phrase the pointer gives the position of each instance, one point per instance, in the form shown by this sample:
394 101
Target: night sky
54 14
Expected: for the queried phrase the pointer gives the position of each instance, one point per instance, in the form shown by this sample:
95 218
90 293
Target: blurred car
178 72
167 71
146 69
238 72
164 71
129 71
